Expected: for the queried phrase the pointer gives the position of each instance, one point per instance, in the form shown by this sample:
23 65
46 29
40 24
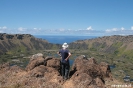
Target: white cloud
111 30
114 29
69 29
119 31
36 31
89 28
22 29
80 29
122 28
62 29
132 28
3 28
35 28
108 30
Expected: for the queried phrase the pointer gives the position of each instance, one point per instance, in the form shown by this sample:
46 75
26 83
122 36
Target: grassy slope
115 50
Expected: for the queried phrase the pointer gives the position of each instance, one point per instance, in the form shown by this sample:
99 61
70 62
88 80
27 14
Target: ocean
61 39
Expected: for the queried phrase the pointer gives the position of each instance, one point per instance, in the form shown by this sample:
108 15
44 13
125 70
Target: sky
67 17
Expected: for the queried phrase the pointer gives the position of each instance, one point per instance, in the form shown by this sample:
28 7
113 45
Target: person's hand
66 59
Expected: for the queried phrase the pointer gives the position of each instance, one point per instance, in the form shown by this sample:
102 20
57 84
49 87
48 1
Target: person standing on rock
65 65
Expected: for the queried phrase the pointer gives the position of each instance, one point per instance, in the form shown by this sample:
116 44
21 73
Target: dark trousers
65 70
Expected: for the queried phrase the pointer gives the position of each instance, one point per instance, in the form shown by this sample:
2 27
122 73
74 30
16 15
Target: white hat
65 45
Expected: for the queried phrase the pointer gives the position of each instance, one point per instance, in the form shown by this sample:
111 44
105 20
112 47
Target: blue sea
61 39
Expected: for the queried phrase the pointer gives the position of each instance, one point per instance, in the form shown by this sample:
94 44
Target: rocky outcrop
34 63
87 73
45 73
37 60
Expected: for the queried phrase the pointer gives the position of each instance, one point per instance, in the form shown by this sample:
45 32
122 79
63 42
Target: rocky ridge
108 44
45 73
21 43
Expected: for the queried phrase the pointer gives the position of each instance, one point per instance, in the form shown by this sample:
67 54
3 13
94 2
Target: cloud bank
89 31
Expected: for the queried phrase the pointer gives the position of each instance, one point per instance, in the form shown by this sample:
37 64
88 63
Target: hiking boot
65 78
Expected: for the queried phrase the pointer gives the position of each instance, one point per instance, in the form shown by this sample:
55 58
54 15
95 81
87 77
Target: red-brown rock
45 73
34 63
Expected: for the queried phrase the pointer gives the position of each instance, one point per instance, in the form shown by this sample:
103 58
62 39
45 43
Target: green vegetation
112 50
120 58
117 44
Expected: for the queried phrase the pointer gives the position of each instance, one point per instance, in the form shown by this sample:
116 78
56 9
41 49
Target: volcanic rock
34 63
45 73
87 73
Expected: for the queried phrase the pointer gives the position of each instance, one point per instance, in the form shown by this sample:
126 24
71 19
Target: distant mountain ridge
22 42
108 44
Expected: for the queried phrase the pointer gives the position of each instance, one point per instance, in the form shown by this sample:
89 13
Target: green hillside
115 50
17 46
